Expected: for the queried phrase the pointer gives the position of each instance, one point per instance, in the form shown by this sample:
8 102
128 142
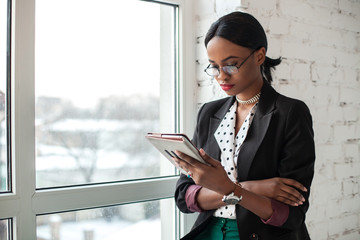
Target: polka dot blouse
230 147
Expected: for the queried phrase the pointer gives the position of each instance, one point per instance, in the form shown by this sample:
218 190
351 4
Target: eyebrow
224 60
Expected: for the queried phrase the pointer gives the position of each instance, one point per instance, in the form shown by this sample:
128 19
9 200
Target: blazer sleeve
184 182
298 158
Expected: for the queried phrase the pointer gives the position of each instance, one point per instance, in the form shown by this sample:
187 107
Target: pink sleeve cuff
190 198
280 214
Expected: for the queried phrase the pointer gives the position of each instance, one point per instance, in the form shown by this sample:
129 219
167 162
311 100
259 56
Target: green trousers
220 229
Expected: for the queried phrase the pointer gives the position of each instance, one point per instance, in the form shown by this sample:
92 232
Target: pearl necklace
254 99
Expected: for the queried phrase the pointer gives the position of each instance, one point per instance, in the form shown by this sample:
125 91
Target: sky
111 48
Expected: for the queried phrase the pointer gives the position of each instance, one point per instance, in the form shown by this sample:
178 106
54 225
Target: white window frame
24 203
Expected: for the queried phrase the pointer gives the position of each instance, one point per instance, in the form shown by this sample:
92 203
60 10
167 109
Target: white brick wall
320 45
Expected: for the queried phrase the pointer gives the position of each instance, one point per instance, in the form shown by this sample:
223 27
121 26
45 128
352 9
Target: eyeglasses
231 69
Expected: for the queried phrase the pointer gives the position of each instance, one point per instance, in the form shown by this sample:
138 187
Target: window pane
147 220
5 229
3 76
99 65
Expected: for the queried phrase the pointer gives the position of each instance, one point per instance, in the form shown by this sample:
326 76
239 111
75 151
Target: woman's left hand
212 176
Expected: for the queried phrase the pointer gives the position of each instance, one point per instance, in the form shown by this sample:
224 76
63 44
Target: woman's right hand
281 189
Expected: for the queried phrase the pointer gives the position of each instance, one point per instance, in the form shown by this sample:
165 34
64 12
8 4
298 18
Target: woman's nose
223 76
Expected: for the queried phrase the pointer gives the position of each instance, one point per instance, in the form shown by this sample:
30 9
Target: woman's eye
231 65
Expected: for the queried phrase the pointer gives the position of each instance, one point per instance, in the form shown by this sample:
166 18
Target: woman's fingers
292 194
293 199
287 201
209 159
293 183
285 190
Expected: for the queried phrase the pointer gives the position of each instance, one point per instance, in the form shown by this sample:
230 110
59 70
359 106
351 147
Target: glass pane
97 84
147 220
5 229
3 76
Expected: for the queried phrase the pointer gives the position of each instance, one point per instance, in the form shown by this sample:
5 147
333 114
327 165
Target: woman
258 143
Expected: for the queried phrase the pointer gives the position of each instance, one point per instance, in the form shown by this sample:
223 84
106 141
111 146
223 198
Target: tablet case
167 144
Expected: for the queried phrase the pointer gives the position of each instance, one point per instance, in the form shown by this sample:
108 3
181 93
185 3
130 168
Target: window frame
24 202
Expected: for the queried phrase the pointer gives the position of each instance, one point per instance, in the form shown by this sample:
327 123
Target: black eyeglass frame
218 68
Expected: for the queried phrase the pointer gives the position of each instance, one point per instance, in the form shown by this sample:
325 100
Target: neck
251 91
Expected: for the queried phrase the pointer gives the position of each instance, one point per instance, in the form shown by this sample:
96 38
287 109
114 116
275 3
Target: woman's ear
260 56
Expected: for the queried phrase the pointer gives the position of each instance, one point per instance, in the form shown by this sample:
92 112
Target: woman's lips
226 87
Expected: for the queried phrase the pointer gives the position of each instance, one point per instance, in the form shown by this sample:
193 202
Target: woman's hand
282 189
212 176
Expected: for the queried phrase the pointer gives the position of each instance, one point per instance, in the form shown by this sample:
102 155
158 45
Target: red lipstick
226 87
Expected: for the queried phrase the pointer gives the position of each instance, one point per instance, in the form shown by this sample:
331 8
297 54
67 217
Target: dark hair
244 30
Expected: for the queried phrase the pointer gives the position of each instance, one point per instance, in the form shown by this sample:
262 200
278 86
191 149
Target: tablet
168 143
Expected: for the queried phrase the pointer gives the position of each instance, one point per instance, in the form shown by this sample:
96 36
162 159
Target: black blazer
279 143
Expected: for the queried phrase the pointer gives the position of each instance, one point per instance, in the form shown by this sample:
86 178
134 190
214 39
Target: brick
349 6
348 59
330 4
349 223
283 70
328 116
300 71
351 235
352 150
343 21
332 191
318 230
351 41
335 114
293 8
274 47
224 7
351 77
322 73
324 172
344 133
269 4
304 11
278 25
325 95
330 38
323 133
205 93
204 7
296 50
350 189
335 226
349 95
324 55
328 151
347 169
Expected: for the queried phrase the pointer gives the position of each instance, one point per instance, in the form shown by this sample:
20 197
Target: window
5 229
97 89
4 58
145 220
84 76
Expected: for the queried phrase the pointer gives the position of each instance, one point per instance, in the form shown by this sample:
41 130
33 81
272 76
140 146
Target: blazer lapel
214 150
257 131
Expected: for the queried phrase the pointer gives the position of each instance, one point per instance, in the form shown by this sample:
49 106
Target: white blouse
230 147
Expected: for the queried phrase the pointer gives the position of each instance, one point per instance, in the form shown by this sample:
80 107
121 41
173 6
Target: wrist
229 189
238 191
235 196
